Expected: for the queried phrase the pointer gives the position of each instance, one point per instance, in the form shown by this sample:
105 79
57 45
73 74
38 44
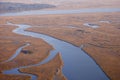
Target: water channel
77 64
77 11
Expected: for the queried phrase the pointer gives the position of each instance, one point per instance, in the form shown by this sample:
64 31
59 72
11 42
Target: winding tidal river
77 64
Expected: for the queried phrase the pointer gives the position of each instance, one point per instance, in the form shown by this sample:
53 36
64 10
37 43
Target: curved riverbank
10 42
16 53
76 62
111 54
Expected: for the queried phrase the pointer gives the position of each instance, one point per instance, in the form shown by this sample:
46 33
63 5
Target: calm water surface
77 64
44 12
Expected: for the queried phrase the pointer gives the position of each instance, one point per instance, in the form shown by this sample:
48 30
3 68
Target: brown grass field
9 42
54 67
102 44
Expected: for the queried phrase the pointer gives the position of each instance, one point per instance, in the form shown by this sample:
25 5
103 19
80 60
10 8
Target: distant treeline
15 7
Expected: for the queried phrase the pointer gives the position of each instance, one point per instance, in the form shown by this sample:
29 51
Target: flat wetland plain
102 43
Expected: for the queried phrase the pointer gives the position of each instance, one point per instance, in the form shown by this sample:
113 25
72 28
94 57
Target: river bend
77 64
